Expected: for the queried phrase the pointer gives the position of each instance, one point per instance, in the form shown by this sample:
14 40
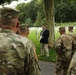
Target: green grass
32 36
51 58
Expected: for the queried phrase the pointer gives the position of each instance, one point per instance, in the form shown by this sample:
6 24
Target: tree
61 11
28 10
65 11
38 20
6 1
49 11
29 22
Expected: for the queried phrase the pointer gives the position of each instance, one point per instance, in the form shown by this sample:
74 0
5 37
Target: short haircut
23 28
71 27
62 29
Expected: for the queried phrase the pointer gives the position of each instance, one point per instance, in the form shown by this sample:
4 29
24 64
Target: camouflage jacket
64 47
72 67
34 60
73 35
15 54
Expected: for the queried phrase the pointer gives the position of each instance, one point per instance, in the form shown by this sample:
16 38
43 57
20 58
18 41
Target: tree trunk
49 12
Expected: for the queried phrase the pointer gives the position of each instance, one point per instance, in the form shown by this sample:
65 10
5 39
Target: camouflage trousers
61 67
10 71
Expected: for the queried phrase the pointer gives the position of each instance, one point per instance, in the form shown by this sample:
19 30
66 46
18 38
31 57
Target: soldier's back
67 45
73 35
34 60
12 54
67 41
72 66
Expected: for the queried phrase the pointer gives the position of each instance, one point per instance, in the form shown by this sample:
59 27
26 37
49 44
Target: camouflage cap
9 13
62 29
23 27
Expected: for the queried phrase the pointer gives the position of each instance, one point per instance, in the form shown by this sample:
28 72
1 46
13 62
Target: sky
14 3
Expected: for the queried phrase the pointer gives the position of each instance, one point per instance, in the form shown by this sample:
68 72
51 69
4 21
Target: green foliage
29 22
71 15
6 1
65 24
65 11
52 56
44 21
61 11
38 20
28 10
33 10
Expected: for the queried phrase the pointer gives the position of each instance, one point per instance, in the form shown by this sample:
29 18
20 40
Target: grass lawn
33 37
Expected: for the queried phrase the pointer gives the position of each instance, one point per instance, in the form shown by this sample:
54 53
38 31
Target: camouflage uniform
73 35
12 53
72 67
31 47
25 28
34 65
16 57
64 50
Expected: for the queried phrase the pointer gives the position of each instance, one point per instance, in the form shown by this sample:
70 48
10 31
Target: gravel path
47 68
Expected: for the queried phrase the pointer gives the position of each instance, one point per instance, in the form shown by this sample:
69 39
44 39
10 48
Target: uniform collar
7 31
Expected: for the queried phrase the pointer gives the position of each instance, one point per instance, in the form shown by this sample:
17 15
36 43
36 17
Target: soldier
15 55
64 49
72 66
73 35
70 29
24 31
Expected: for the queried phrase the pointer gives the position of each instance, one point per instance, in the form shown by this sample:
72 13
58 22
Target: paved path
47 68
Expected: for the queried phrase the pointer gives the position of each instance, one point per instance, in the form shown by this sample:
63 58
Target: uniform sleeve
74 45
58 45
33 66
72 66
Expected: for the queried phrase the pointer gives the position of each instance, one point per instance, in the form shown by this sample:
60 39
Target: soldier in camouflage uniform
64 49
72 67
24 31
14 51
73 35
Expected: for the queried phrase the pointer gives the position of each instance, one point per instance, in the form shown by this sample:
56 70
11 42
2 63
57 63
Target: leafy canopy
6 1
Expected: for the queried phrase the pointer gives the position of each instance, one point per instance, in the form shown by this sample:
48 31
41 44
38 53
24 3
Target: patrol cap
61 29
8 13
23 27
